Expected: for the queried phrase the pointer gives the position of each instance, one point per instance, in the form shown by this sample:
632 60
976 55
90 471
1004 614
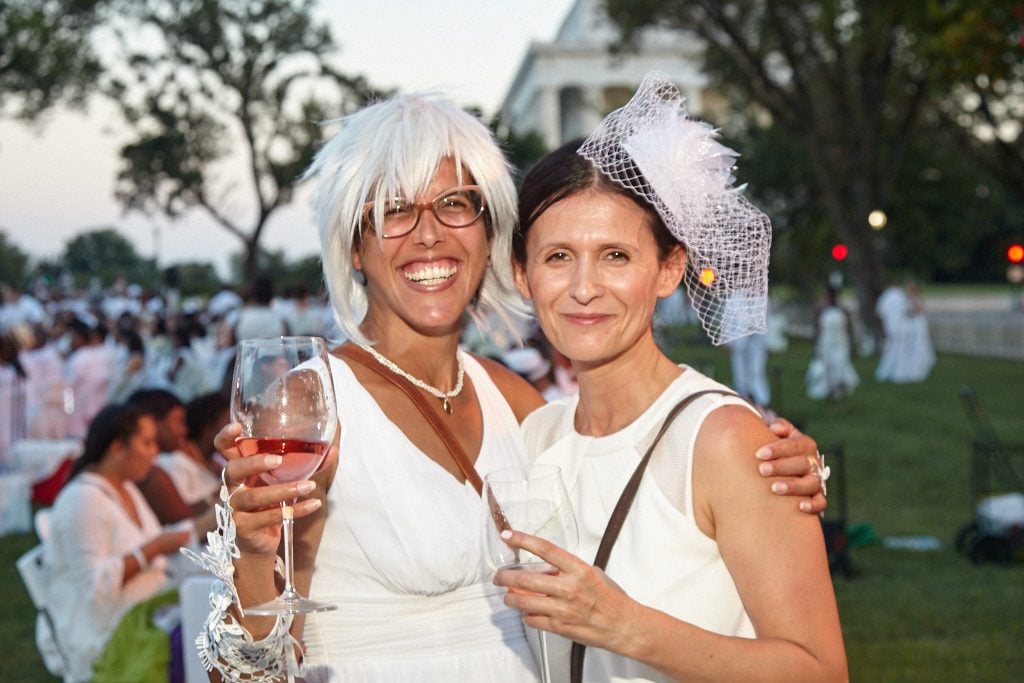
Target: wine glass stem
287 524
545 668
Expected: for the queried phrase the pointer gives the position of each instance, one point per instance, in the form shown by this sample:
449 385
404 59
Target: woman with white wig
416 210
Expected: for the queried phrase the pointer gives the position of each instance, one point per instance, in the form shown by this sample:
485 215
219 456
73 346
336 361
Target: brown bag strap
440 428
618 518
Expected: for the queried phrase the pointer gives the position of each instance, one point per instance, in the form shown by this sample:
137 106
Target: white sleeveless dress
661 559
401 556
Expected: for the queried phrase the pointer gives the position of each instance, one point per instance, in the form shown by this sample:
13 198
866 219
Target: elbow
833 669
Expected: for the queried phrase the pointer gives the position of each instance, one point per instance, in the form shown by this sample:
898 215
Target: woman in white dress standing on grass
711 576
831 373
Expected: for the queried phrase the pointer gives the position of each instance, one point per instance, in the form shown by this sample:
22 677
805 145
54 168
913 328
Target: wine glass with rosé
532 499
283 397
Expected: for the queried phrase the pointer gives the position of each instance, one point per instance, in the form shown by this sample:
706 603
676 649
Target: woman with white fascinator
416 210
698 573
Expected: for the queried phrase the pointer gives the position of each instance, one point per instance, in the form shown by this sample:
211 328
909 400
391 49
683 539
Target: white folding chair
41 522
194 595
35 575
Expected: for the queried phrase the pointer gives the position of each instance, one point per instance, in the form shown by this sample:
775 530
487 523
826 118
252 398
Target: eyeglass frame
431 206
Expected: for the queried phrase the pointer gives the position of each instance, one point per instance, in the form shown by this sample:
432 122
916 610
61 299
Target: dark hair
156 402
132 341
115 422
261 290
563 173
201 411
79 328
9 353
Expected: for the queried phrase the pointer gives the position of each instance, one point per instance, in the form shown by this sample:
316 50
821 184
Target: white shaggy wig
394 148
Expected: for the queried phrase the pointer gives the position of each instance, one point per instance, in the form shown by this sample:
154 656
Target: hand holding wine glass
283 398
533 500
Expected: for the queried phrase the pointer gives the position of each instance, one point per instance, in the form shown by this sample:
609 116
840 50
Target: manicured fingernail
272 460
779 487
312 504
805 506
506 534
763 453
305 486
764 468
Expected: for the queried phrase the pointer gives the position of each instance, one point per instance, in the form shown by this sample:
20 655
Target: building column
593 109
549 116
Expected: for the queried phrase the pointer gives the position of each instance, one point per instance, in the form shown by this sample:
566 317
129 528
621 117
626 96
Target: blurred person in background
257 318
44 383
107 557
132 372
13 407
89 372
304 315
908 355
181 485
831 373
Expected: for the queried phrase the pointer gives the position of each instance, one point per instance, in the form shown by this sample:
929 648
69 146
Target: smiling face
593 271
423 280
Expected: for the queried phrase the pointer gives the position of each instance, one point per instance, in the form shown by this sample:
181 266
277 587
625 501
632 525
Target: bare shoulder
519 393
731 428
724 452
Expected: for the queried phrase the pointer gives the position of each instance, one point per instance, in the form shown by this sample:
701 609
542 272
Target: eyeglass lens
455 208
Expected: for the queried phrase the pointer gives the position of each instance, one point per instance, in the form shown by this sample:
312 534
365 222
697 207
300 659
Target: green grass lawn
907 615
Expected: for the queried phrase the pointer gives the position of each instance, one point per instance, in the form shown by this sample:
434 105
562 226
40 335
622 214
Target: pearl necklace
445 396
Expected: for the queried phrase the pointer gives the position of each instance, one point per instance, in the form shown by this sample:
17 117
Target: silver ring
823 471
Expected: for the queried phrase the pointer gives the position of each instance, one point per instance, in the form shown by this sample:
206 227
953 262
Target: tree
982 53
198 279
46 55
102 255
847 79
210 79
521 150
13 262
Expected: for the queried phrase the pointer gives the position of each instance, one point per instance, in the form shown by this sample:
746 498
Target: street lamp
877 219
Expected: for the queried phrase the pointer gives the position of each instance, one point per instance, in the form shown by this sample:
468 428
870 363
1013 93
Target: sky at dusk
58 179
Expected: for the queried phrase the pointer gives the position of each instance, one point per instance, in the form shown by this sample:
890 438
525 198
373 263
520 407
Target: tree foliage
848 80
197 279
102 255
13 262
46 55
210 81
982 54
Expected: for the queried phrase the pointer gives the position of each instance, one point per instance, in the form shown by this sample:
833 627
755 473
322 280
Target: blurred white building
564 88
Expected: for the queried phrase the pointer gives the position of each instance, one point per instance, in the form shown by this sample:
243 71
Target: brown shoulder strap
440 428
618 517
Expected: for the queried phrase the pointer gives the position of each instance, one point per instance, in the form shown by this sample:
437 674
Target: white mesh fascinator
652 148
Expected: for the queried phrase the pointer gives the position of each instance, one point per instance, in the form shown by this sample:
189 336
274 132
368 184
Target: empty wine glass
531 499
283 396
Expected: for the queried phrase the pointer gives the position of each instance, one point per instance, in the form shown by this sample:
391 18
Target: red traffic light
840 252
1015 253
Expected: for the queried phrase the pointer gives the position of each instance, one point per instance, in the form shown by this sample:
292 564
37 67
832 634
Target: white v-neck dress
661 558
401 556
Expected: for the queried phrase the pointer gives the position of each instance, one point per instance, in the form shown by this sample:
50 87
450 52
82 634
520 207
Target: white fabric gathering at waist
463 620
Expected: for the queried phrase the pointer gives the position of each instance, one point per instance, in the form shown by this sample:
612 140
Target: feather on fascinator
653 148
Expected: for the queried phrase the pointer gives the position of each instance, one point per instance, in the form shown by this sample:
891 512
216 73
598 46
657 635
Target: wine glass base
282 606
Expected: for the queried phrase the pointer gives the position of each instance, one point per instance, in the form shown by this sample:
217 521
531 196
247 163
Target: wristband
140 557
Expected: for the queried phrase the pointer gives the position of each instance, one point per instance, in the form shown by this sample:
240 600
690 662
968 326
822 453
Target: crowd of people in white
67 354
